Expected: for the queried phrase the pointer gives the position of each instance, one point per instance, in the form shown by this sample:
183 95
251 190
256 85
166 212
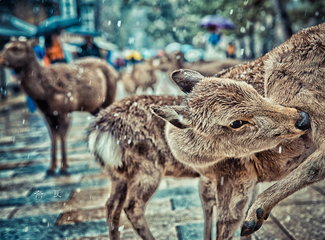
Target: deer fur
141 76
141 139
292 75
86 85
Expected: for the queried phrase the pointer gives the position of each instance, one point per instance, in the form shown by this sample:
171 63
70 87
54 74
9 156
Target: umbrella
83 31
214 22
11 26
56 23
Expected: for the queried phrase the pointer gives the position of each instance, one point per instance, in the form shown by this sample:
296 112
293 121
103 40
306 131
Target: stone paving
34 206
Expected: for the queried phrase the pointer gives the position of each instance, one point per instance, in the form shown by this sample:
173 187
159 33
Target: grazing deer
292 75
86 85
215 132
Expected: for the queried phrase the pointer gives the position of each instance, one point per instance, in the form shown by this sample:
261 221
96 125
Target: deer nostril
303 122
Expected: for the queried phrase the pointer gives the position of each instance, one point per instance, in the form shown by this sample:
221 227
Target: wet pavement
34 206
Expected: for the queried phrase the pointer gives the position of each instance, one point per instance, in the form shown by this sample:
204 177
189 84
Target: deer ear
176 115
186 79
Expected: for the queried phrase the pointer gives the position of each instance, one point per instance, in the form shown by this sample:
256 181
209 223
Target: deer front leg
208 199
52 125
310 171
64 123
233 197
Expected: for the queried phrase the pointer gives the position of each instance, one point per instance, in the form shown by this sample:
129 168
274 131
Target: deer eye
237 124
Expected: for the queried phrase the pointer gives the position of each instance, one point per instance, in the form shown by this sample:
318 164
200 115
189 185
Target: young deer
292 75
86 85
216 131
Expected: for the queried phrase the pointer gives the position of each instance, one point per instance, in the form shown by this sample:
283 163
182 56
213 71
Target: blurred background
203 30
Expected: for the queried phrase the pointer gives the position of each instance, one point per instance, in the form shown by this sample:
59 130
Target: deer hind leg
139 192
114 206
208 200
233 197
63 129
310 171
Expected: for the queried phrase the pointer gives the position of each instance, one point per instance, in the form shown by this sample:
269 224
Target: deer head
223 118
17 53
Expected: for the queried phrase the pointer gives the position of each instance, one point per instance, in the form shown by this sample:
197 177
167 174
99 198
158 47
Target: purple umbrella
214 22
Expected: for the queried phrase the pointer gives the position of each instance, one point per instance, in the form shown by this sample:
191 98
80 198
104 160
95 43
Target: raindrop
231 11
119 22
174 29
121 228
69 94
222 180
242 30
55 113
44 220
78 190
118 142
26 229
109 22
116 114
129 141
23 121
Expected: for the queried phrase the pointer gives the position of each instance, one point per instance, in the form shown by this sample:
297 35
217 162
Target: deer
87 85
291 75
175 60
222 131
142 76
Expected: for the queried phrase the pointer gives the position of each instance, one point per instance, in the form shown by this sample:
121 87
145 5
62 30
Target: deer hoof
248 228
64 172
50 172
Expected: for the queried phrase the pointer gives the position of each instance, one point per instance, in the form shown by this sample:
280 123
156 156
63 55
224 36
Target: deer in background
175 60
216 131
85 85
141 76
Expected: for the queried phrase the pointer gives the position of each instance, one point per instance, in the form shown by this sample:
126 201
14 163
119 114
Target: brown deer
175 60
142 76
86 85
292 75
215 132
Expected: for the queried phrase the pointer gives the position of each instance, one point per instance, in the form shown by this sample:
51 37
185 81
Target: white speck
116 114
119 22
222 180
109 22
121 228
23 121
135 104
280 149
78 190
55 113
231 11
69 94
26 229
44 220
129 141
118 142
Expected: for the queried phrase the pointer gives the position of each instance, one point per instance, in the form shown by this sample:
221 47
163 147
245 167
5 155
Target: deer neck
31 77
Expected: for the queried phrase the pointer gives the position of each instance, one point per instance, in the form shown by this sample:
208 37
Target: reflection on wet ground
34 206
